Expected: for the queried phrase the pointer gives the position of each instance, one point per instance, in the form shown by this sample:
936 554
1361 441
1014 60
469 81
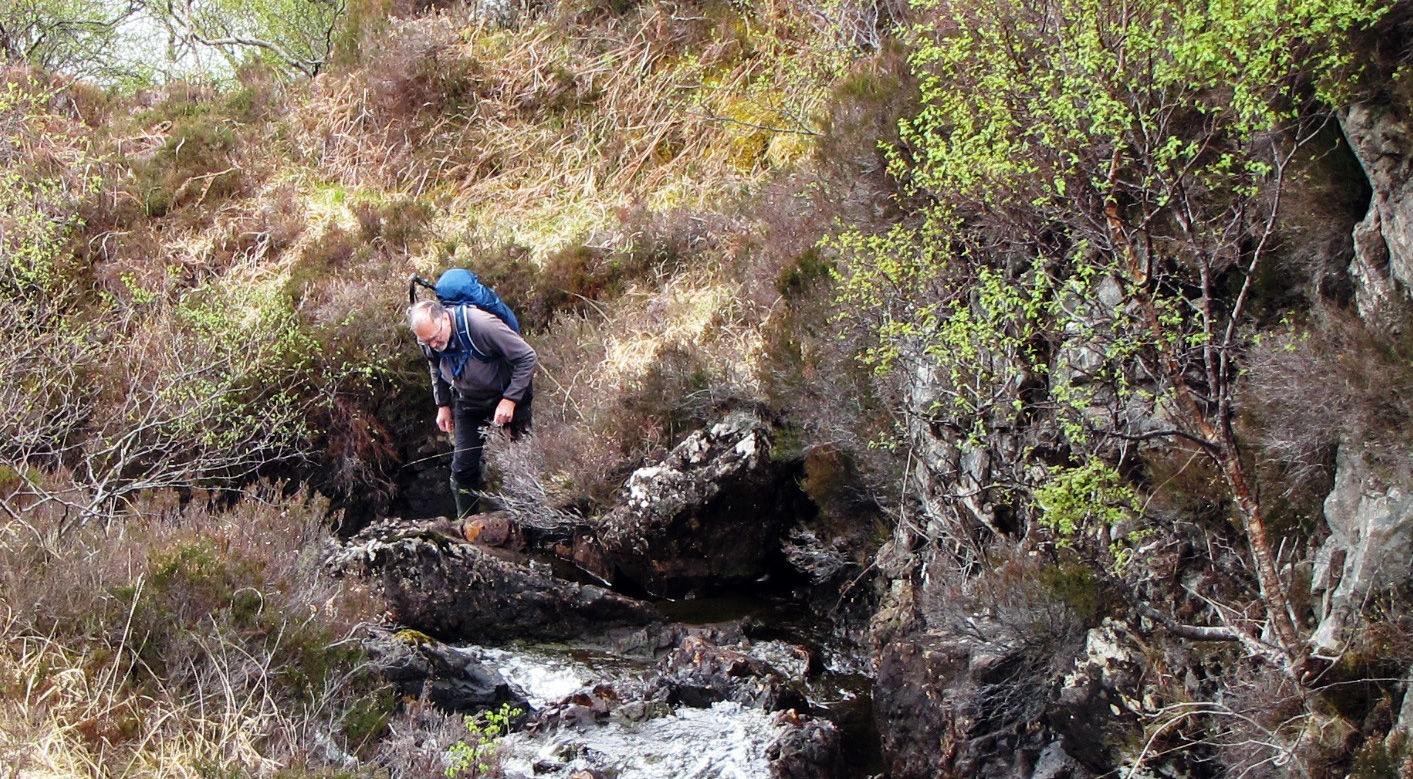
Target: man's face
435 333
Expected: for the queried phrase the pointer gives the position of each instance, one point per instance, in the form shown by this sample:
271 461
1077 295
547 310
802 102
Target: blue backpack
459 286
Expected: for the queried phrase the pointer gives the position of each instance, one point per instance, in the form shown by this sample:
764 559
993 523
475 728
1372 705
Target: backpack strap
462 334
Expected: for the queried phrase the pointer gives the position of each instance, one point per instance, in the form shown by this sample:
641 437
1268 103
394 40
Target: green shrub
475 757
800 279
1084 497
257 99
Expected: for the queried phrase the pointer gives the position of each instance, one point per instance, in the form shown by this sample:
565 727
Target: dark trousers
472 418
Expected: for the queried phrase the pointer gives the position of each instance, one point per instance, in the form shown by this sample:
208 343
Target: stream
655 741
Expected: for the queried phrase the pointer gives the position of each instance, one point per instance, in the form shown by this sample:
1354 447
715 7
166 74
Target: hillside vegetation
203 285
1078 241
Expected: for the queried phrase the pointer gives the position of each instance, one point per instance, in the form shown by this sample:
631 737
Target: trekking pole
412 287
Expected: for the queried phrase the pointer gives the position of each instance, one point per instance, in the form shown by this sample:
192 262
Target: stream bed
638 740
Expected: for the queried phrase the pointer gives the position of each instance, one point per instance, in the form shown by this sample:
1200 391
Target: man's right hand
445 423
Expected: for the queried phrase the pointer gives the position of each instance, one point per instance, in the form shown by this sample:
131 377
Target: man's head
431 323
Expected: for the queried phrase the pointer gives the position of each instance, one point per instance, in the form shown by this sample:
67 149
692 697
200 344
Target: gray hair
424 311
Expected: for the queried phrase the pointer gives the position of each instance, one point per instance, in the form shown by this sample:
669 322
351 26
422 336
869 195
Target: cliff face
1382 265
977 687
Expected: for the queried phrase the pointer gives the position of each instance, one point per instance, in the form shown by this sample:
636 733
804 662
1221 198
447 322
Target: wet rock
708 517
635 711
579 711
495 529
699 674
428 670
584 731
806 748
457 591
653 641
583 550
795 662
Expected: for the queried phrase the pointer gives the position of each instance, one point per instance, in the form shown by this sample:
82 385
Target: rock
428 670
796 746
710 516
806 748
634 711
582 548
953 707
1370 516
1091 712
460 592
914 718
1383 265
581 710
495 529
699 674
1402 730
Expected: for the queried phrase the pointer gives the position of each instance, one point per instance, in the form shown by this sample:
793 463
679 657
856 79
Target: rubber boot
466 500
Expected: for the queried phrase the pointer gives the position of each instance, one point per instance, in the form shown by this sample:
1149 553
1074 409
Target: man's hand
445 423
505 411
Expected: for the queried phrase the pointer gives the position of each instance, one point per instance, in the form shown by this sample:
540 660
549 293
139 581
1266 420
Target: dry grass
622 384
544 133
1308 390
126 654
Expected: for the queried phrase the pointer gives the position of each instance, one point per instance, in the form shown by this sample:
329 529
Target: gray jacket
506 374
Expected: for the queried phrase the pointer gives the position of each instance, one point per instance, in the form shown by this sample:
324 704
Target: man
481 375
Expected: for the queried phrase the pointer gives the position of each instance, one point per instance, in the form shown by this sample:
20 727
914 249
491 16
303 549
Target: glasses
436 341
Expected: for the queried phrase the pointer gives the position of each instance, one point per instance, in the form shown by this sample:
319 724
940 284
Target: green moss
10 479
414 637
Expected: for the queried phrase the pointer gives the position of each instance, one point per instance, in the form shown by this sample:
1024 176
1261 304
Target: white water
726 741
546 677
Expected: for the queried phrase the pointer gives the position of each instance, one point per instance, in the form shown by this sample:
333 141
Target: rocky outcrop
708 517
1370 517
1382 269
949 707
458 591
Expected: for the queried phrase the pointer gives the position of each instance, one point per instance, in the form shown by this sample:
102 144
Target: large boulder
427 670
457 591
1370 516
709 517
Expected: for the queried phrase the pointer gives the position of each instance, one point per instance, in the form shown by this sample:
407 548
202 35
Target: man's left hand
505 411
